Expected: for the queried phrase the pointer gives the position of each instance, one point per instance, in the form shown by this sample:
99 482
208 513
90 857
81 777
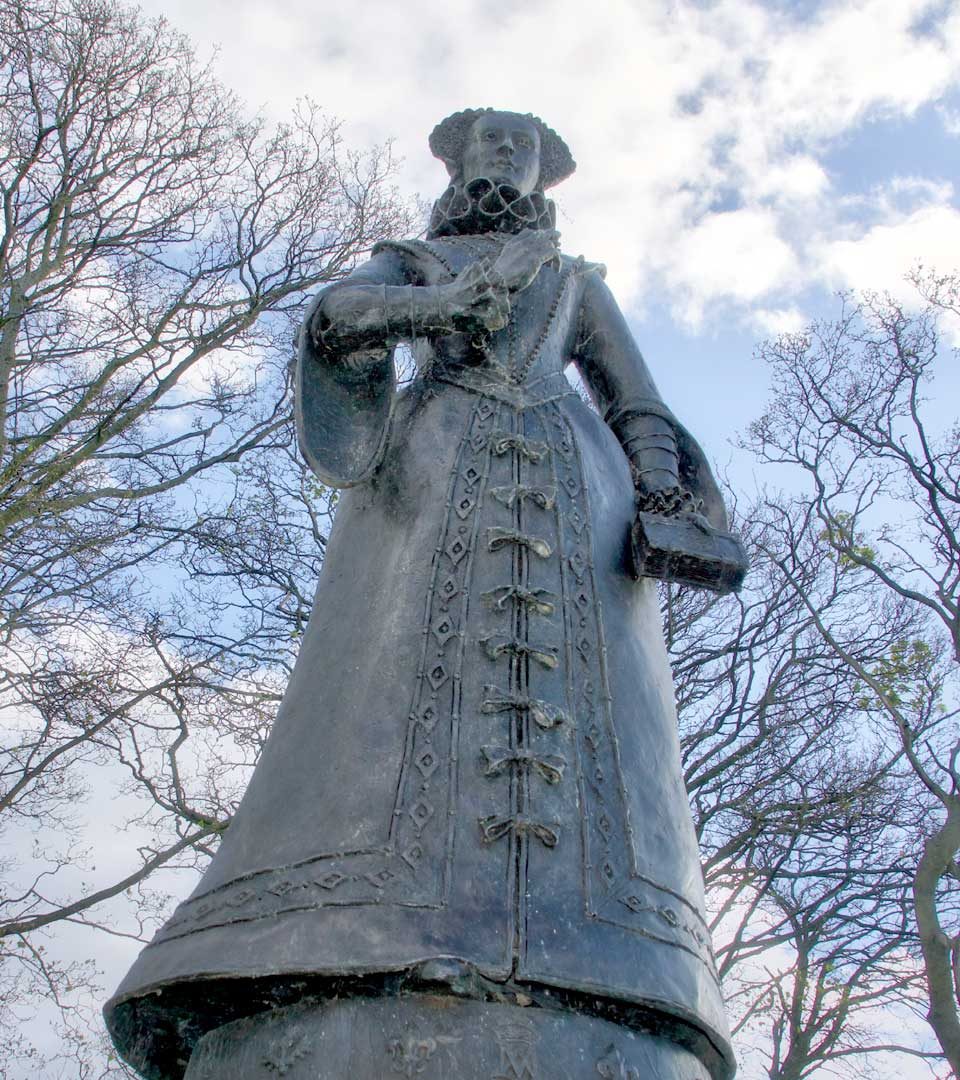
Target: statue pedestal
434 1037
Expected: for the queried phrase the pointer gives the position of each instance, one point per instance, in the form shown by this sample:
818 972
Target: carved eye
525 142
490 135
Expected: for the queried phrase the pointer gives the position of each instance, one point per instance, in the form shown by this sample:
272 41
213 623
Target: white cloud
879 258
775 321
796 179
737 255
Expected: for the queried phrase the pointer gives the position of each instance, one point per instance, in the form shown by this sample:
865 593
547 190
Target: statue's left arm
669 468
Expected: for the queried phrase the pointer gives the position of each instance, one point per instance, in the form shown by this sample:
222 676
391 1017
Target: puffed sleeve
344 398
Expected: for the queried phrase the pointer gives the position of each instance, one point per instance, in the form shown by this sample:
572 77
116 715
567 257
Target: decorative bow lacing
545 715
502 442
499 758
544 497
532 598
494 828
545 655
498 537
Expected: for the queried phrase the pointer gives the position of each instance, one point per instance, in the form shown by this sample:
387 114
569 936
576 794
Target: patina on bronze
466 850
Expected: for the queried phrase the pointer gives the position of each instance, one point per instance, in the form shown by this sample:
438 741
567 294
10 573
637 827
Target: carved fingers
479 298
522 256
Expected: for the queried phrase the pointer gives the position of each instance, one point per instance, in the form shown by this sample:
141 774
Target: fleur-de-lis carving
411 1054
613 1066
286 1051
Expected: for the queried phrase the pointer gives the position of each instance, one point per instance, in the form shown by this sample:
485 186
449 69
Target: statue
466 850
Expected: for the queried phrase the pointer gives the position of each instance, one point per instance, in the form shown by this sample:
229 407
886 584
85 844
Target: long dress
476 757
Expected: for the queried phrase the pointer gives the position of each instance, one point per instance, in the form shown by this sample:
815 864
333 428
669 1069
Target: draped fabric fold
342 413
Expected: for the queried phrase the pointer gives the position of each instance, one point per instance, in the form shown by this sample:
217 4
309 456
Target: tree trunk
939 851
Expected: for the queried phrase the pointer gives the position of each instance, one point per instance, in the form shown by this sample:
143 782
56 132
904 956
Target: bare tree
156 248
805 806
883 484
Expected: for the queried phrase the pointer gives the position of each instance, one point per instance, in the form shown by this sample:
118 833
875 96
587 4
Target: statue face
504 148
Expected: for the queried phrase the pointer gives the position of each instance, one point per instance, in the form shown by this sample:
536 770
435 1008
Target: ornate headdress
448 138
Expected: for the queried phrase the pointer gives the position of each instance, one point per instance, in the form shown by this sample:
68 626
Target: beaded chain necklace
519 372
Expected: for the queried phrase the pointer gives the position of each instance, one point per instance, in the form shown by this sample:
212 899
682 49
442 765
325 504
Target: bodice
539 338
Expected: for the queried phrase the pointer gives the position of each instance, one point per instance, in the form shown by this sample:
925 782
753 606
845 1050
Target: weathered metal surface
435 1038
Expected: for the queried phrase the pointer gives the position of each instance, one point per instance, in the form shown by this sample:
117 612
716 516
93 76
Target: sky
739 162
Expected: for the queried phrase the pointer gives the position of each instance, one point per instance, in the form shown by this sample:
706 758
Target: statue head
503 147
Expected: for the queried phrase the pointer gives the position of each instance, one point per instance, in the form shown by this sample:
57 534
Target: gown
476 757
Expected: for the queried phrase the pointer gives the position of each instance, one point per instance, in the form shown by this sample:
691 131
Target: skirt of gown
476 757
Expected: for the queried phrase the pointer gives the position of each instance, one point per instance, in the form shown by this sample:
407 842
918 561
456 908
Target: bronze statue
466 850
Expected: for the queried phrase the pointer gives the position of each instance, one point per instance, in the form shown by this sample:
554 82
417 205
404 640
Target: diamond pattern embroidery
429 717
421 812
412 855
282 887
635 904
456 549
437 676
381 878
443 629
426 762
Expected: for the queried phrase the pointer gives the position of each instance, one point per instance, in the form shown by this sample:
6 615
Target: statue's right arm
345 379
377 307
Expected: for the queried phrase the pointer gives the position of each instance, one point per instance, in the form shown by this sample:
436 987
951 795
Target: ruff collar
484 207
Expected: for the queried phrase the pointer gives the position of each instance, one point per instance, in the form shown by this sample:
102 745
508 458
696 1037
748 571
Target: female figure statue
472 793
